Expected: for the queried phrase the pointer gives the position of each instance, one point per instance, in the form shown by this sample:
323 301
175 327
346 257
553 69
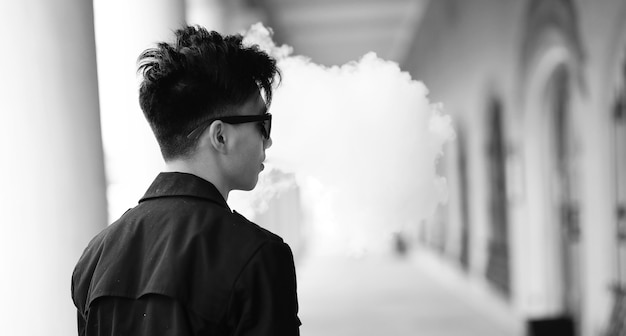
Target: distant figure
400 246
181 262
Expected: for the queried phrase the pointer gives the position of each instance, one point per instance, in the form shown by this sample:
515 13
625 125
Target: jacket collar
183 184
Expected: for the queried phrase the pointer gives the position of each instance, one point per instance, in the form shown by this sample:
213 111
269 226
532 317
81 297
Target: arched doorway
553 194
617 324
464 208
498 260
552 82
564 187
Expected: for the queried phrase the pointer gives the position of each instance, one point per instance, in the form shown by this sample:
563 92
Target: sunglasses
264 120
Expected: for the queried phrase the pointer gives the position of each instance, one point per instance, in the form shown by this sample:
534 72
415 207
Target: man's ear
217 136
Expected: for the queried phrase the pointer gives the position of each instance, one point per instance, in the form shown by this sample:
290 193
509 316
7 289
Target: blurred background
532 239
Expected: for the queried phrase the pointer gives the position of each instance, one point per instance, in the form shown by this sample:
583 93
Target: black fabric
181 252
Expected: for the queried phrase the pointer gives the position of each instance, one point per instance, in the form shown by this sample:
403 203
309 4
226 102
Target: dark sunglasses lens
265 126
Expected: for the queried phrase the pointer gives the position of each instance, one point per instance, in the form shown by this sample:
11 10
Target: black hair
201 75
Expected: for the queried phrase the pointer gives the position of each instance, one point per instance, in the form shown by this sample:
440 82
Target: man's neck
184 166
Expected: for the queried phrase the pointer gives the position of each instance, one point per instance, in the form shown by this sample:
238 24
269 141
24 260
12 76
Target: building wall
472 54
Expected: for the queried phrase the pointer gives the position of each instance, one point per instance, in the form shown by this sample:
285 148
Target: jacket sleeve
81 324
264 301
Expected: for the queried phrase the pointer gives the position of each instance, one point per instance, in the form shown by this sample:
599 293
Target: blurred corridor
386 295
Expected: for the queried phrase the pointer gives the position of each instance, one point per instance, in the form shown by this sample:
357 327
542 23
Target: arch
551 168
551 79
550 24
617 325
462 167
498 246
617 110
615 96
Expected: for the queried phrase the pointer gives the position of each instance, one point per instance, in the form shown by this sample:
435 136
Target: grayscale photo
313 167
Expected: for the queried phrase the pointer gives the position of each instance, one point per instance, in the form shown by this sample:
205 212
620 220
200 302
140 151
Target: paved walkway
385 296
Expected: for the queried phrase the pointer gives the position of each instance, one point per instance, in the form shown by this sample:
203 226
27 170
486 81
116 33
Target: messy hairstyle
199 76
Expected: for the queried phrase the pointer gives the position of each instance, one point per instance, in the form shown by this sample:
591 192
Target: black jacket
181 263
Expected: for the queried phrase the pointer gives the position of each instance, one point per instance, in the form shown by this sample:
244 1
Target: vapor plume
363 141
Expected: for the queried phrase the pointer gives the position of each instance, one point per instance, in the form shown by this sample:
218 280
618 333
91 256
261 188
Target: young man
181 262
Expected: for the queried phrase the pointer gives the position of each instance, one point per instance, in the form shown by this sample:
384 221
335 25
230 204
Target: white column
52 188
123 30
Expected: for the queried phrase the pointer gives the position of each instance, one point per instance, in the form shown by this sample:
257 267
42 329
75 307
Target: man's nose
268 143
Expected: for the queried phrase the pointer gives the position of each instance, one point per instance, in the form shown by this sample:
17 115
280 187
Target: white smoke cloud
366 133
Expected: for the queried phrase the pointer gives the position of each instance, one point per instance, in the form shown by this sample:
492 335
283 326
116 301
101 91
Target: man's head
201 75
206 98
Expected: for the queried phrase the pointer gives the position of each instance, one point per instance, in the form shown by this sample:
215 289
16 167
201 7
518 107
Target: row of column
53 89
